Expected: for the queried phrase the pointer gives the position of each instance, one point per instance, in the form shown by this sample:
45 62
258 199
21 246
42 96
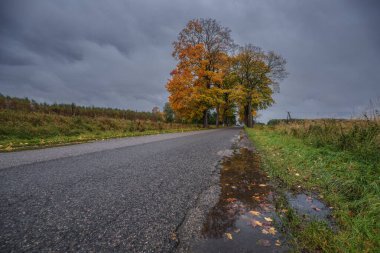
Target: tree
168 113
257 75
201 49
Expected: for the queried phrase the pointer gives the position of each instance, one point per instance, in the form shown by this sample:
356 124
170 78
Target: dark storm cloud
118 53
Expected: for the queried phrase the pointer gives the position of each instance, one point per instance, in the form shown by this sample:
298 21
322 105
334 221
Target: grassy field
26 130
340 162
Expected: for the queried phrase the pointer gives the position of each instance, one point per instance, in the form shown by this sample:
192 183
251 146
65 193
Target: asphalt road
125 195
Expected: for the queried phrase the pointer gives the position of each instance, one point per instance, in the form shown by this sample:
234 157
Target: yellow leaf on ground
264 231
255 223
268 219
256 213
229 236
278 243
262 185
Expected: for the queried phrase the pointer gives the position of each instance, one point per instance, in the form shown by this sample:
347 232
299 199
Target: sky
118 53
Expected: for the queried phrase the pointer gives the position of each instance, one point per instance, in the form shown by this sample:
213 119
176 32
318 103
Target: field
337 160
25 130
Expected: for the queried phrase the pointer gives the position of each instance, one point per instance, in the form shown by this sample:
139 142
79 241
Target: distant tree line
29 105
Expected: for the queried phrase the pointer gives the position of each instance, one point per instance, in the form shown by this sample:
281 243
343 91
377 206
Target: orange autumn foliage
193 87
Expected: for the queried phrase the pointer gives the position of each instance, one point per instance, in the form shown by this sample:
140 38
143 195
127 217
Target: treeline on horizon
30 105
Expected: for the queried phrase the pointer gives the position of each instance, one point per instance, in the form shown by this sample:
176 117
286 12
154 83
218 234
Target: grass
346 177
21 130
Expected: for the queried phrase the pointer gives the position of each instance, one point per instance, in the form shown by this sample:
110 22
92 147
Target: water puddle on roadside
310 208
244 218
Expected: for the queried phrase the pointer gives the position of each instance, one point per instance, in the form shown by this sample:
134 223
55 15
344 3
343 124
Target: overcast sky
118 53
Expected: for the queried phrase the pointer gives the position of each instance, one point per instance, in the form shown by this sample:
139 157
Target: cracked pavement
131 195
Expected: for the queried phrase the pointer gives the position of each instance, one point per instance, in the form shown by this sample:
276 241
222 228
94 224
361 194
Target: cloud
118 54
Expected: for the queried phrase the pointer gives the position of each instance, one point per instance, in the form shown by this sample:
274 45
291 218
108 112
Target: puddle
244 218
309 207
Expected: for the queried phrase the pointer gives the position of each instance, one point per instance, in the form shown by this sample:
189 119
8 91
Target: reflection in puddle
310 208
243 219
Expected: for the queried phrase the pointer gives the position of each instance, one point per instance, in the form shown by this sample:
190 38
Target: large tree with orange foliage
195 84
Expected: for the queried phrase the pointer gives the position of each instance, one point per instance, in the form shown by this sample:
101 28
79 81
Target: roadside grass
346 179
20 130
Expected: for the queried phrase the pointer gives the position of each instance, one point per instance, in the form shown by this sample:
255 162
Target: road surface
126 195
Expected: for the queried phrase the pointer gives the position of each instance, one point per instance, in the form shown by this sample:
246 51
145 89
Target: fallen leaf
278 243
262 185
237 230
264 231
233 187
272 231
255 223
316 208
256 197
268 219
262 242
256 213
229 236
297 174
229 200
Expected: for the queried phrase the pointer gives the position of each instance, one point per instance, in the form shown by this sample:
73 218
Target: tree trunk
246 115
205 120
250 117
217 116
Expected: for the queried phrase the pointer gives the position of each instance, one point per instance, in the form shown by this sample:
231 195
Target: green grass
21 130
345 180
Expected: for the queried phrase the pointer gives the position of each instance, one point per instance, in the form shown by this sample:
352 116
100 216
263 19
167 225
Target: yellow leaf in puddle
262 242
268 219
255 223
272 231
256 213
229 236
264 231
